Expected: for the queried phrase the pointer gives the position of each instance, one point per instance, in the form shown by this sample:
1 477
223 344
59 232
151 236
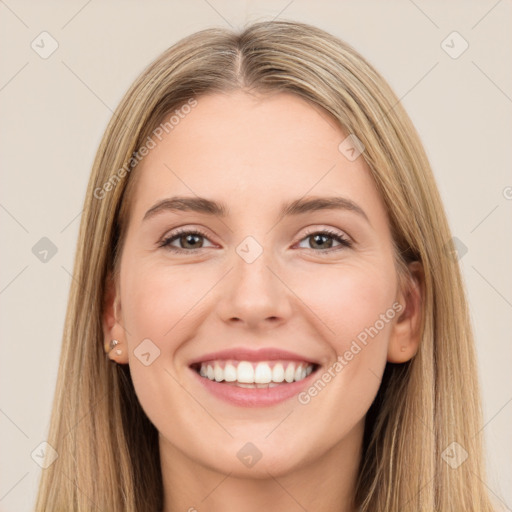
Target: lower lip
254 397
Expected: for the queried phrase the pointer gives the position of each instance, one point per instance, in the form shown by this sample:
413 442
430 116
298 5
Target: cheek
360 312
157 303
157 300
350 300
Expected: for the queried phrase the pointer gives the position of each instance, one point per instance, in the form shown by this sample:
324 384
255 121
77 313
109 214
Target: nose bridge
255 294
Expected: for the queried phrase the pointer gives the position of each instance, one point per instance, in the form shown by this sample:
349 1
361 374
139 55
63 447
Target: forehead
252 149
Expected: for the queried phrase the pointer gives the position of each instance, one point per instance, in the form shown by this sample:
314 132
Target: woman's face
263 292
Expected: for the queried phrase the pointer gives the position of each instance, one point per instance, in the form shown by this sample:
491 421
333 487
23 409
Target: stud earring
110 345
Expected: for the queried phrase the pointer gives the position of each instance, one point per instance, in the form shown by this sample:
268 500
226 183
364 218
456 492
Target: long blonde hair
108 449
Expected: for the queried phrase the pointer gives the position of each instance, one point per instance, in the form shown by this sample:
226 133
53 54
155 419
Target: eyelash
343 241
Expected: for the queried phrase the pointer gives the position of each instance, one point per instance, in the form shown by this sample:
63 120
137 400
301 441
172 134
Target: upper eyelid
183 231
337 231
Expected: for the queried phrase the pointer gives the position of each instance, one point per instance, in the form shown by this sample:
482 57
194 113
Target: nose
255 294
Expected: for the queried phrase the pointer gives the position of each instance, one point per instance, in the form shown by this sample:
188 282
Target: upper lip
245 354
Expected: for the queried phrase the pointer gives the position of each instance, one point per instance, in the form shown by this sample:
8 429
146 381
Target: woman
265 312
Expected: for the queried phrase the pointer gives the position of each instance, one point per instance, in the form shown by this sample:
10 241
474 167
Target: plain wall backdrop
58 91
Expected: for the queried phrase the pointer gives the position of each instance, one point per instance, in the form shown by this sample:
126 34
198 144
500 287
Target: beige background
54 110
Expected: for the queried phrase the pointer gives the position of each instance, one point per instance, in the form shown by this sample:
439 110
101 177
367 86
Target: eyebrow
214 208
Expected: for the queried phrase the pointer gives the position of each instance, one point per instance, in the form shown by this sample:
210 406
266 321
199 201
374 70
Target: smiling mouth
250 374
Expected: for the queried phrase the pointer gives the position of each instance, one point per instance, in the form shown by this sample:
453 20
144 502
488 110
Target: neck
326 483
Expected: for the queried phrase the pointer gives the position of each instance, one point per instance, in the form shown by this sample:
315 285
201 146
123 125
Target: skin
253 153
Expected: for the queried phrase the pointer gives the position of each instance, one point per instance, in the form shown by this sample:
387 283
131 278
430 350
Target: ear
111 321
405 337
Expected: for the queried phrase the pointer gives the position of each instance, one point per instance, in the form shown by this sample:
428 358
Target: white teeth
245 372
229 373
263 373
218 373
278 373
289 373
255 375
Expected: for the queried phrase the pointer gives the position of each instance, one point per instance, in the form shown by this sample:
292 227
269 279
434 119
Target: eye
324 240
192 240
189 240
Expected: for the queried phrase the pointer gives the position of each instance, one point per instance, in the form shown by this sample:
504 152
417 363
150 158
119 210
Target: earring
119 351
110 345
